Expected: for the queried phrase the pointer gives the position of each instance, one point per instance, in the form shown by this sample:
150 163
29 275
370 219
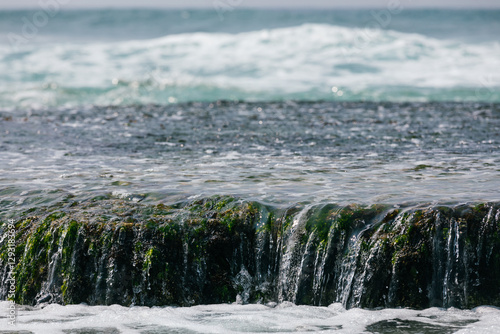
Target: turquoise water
145 56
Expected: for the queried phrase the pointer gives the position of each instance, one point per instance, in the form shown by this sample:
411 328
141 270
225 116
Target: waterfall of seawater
224 250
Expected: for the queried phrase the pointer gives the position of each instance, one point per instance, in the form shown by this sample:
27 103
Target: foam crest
306 62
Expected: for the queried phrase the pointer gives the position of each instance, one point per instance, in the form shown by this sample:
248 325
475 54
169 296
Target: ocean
285 108
145 56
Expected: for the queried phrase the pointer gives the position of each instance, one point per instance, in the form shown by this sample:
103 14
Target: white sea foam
233 318
310 61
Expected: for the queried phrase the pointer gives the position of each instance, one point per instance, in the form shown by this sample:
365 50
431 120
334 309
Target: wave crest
310 61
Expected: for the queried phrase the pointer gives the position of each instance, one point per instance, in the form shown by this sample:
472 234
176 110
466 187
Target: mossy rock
107 251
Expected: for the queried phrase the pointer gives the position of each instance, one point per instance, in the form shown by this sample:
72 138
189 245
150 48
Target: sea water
234 318
277 106
278 153
144 56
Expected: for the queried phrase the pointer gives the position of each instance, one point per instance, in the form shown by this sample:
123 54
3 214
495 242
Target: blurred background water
120 57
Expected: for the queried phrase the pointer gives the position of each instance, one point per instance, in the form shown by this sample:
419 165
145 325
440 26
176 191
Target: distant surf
305 61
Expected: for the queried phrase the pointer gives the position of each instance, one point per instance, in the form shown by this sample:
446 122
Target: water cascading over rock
222 249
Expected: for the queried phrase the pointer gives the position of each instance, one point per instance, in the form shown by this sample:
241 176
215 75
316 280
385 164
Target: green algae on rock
219 249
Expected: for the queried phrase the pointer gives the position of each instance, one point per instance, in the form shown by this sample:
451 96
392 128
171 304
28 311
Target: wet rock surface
222 249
